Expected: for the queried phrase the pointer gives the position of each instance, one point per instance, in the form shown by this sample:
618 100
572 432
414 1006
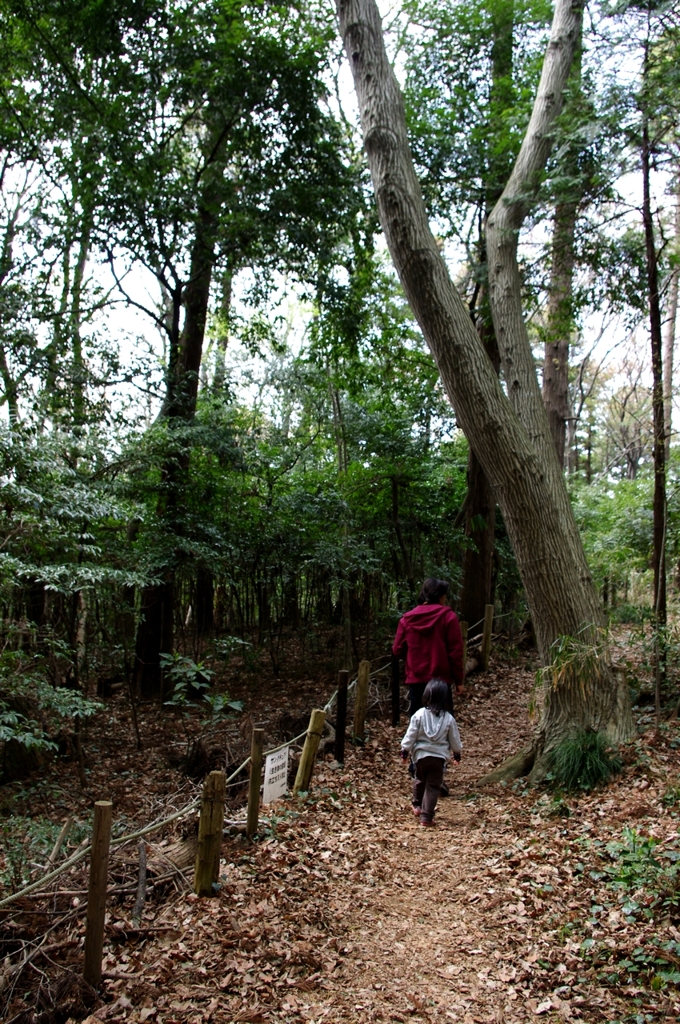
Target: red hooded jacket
429 638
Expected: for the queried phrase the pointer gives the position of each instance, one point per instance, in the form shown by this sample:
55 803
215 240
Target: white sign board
275 776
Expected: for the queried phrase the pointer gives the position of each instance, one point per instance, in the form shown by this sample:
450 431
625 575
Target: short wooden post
464 634
360 701
256 746
96 893
341 718
303 778
396 691
210 825
486 636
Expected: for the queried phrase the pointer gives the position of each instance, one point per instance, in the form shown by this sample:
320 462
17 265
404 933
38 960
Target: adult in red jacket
429 638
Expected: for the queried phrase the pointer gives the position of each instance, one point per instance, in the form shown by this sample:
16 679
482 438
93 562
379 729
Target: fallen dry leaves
346 910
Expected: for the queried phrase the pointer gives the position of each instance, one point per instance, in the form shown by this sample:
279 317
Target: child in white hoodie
431 738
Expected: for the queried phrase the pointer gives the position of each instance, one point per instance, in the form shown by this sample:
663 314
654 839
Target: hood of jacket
434 726
424 618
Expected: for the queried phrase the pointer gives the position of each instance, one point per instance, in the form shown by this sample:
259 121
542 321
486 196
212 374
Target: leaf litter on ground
519 905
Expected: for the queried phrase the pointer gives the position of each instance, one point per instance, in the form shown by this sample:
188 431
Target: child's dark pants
427 784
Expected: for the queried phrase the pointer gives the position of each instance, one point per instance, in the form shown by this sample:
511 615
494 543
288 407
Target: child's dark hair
433 590
436 696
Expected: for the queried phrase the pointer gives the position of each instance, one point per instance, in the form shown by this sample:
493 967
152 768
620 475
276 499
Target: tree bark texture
669 340
480 514
652 267
532 496
560 318
505 284
480 527
559 326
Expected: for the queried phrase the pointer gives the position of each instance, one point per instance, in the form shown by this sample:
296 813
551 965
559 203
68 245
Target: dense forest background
222 431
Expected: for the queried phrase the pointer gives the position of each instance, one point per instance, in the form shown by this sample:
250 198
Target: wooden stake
96 894
51 860
464 633
360 701
141 884
210 825
396 691
486 636
256 746
341 719
306 767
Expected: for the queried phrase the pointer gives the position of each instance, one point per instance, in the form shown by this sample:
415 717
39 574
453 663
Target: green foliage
26 843
190 680
630 615
582 761
641 863
191 687
33 711
671 796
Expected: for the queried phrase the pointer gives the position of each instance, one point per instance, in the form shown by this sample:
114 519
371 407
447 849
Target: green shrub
583 761
630 614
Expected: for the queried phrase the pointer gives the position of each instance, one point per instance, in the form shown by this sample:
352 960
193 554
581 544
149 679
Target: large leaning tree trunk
518 457
505 283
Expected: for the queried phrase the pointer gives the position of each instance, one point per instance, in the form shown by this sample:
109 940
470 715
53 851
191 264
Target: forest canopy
219 414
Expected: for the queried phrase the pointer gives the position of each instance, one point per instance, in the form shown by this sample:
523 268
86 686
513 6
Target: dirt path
348 910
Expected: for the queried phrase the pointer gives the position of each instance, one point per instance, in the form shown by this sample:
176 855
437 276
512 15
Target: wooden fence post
464 633
360 701
96 893
210 825
341 718
396 691
255 782
303 778
486 636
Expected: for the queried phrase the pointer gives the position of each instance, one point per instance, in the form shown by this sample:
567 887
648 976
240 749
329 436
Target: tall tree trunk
480 527
669 340
480 517
559 326
76 322
560 318
396 523
505 284
205 601
155 631
520 462
652 268
223 336
480 520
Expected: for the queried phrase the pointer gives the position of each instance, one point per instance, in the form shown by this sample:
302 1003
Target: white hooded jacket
431 735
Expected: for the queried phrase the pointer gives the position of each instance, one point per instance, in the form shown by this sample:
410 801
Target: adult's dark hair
433 590
436 696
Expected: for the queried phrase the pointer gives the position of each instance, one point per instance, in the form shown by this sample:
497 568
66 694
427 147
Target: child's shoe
416 809
426 823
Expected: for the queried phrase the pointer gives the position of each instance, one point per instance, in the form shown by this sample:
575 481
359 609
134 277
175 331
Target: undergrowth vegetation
583 761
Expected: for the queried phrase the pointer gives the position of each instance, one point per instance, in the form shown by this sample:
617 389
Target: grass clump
583 761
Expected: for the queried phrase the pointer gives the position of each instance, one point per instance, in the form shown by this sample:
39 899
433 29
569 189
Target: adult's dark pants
427 785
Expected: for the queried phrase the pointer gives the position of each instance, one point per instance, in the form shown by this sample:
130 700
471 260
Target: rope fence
79 855
213 799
